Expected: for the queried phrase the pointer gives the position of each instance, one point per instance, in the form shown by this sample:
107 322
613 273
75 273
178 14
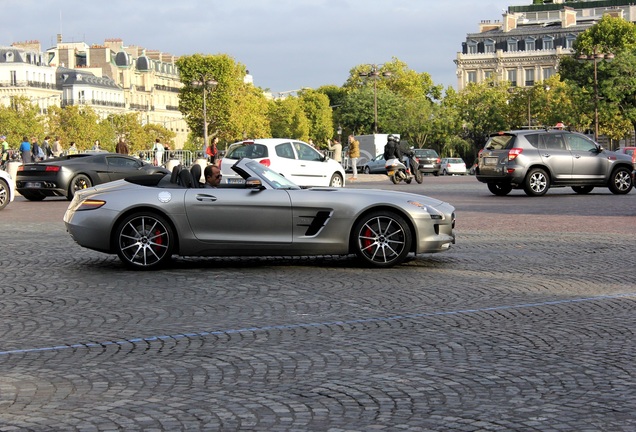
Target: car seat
174 177
185 178
195 172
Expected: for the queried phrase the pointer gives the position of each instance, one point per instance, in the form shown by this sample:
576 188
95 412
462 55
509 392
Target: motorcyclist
392 148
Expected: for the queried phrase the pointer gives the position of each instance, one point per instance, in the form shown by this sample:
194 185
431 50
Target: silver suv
536 160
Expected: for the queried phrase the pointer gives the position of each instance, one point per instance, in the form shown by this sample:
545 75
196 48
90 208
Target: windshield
274 179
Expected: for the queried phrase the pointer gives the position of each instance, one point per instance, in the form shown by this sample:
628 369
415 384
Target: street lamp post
205 83
375 74
595 58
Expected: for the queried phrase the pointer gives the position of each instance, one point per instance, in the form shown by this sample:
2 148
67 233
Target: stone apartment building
108 77
525 46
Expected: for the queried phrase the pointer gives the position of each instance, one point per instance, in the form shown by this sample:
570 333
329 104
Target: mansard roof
69 77
20 55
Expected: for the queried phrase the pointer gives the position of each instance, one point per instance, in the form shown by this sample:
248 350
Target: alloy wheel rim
144 241
382 239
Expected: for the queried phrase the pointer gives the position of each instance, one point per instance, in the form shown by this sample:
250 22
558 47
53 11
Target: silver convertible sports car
147 219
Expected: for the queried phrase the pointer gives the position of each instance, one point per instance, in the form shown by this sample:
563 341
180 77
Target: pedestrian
311 143
354 154
212 174
336 148
5 148
72 148
46 147
25 150
212 150
96 145
36 150
57 147
122 147
158 152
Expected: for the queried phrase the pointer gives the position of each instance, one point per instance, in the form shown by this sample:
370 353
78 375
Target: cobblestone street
526 324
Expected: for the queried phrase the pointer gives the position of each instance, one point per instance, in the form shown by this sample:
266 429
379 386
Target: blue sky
285 44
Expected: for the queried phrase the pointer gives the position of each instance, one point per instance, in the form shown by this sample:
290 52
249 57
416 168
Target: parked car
429 161
7 190
296 160
451 166
66 175
147 219
536 160
631 151
375 165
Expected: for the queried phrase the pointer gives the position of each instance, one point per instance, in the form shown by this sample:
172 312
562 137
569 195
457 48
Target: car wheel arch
147 209
385 208
70 194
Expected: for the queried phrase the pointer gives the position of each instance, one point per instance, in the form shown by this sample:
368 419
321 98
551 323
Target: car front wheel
499 189
382 239
536 182
336 180
621 181
366 170
144 241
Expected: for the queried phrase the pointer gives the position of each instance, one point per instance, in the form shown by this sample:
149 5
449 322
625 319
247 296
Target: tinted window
123 162
285 151
306 153
533 139
248 150
552 142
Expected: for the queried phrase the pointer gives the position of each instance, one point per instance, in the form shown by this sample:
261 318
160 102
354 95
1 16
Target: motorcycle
398 171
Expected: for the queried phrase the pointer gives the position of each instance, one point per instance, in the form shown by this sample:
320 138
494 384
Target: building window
530 44
529 77
489 46
512 77
471 76
472 47
548 43
569 41
513 45
548 72
489 74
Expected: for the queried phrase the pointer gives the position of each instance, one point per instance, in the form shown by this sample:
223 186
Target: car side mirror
254 183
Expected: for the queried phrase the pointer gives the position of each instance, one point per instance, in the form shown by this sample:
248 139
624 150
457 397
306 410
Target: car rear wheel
621 181
499 189
382 239
144 241
79 182
536 182
4 194
336 180
33 196
582 189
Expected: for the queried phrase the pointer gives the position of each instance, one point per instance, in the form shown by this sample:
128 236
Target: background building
524 48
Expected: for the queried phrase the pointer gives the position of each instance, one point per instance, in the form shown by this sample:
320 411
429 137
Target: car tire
536 182
582 190
5 196
436 173
499 189
366 170
144 241
80 181
33 195
621 181
336 180
382 239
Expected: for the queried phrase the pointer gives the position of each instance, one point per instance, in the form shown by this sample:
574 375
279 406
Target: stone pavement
523 325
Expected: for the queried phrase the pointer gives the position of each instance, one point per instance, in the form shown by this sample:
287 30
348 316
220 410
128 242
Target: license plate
491 161
235 181
33 184
390 172
427 166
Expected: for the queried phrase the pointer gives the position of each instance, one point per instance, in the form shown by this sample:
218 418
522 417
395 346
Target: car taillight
52 168
438 160
513 153
265 162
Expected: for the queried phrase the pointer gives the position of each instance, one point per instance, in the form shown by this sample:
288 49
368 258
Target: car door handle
547 155
577 156
201 197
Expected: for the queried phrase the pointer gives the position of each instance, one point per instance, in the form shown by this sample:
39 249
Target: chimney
568 17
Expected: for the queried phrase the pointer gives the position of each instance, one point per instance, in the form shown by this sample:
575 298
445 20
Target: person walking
336 148
57 147
73 148
122 147
46 147
158 150
36 150
354 154
96 146
212 150
25 151
5 149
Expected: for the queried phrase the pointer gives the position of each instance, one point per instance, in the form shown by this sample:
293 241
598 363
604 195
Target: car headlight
435 214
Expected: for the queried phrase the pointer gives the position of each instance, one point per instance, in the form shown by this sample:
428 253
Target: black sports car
64 175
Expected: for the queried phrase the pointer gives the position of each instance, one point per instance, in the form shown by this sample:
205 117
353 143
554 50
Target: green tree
21 119
287 119
80 124
316 107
